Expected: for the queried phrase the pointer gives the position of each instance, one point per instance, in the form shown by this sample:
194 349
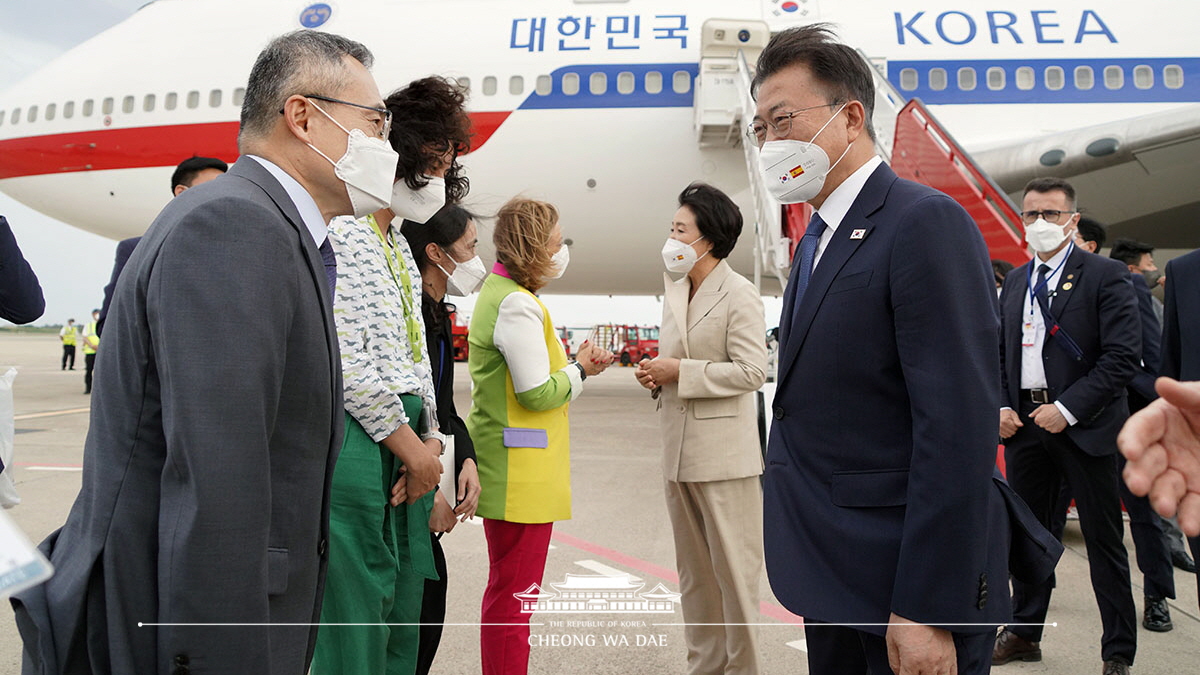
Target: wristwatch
436 435
582 372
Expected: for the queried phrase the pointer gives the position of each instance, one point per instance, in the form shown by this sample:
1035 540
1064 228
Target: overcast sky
74 265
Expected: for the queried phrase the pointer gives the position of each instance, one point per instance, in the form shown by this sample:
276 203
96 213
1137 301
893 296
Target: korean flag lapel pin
858 234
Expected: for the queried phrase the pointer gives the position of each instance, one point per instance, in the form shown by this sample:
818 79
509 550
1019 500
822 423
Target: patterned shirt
379 363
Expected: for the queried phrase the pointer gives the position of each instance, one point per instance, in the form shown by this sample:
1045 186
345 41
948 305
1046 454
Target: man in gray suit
217 407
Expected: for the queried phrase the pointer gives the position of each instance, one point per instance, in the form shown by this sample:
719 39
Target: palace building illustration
598 593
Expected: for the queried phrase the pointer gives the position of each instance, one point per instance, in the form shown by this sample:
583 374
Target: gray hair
300 62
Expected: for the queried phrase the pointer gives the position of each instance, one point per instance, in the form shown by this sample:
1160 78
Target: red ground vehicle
458 337
630 343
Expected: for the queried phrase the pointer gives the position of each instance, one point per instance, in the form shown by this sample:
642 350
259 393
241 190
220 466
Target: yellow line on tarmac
52 413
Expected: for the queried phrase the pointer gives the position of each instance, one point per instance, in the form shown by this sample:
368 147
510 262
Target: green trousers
379 559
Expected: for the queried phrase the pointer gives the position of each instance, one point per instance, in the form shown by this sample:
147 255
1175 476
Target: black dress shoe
1115 668
1183 561
1157 617
1010 647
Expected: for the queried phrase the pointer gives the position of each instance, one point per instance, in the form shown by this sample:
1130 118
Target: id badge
1028 334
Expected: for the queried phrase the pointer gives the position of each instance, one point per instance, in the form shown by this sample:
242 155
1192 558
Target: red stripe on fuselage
142 147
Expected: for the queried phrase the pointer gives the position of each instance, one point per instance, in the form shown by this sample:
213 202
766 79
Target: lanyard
1045 282
399 271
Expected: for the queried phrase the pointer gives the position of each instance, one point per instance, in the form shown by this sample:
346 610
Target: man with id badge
1070 344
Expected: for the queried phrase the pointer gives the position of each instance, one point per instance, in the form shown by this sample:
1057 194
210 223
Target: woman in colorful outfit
382 493
518 420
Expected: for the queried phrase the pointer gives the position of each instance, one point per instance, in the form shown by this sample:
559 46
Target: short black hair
1001 268
191 167
430 119
1091 230
444 228
717 217
1129 251
837 66
1050 184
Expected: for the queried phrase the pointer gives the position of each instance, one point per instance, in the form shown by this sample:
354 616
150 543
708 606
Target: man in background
191 172
91 344
69 334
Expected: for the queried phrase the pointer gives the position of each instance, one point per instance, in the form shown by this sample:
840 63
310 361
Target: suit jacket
878 487
124 250
710 416
21 298
216 417
1096 305
1143 380
1181 319
440 338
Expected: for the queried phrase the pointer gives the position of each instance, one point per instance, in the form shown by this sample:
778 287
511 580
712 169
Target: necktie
330 261
808 255
1043 297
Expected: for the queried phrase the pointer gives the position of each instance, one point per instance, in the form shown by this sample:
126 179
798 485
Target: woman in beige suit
712 358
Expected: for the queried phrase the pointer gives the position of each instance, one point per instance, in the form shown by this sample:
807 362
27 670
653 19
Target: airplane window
653 82
598 83
570 84
1173 77
625 83
193 100
239 95
937 79
127 104
68 110
16 116
966 79
2 117
148 103
1055 78
908 79
214 98
88 104
995 78
1114 77
171 100
1025 78
544 85
50 109
1143 77
1084 77
465 83
31 116
681 82
489 86
107 107
516 85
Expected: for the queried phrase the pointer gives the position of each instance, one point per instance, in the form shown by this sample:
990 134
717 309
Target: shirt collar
501 270
1055 260
837 205
305 204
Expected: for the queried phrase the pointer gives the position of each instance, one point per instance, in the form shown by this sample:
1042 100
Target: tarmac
619 527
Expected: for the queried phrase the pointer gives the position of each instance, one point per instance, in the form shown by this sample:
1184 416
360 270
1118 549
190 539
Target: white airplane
606 107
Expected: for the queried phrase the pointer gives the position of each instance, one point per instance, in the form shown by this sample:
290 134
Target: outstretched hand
1162 444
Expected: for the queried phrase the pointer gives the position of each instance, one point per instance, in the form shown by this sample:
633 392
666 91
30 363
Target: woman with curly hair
523 386
382 494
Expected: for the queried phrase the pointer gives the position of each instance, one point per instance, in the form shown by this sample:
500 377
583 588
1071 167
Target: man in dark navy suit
1070 343
878 487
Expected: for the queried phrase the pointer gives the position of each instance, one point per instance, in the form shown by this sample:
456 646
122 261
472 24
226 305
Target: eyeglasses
383 127
782 124
1050 216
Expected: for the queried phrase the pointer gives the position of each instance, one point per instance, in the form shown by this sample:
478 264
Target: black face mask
1152 277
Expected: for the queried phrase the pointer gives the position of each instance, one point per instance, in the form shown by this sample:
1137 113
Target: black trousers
89 361
1149 531
68 355
840 650
433 611
1194 544
1038 462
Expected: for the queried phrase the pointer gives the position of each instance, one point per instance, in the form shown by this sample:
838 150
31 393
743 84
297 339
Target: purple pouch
525 438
